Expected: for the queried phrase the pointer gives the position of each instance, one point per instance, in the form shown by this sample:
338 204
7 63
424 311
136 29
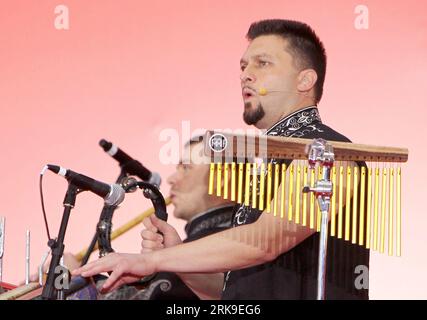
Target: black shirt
293 274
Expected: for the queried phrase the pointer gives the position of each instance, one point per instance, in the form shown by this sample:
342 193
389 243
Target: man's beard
253 116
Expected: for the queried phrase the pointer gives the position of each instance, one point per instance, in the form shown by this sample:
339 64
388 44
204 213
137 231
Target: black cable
43 209
42 201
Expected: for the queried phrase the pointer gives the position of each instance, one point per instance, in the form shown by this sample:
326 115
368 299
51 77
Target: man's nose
172 178
247 76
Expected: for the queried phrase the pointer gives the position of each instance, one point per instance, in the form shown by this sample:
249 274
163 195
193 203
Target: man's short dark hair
304 46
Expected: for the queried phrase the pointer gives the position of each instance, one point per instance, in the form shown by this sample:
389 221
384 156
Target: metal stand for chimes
320 152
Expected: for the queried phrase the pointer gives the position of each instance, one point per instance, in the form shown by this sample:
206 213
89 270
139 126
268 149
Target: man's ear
307 79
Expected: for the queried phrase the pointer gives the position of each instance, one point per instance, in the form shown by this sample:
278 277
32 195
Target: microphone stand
103 229
102 236
57 246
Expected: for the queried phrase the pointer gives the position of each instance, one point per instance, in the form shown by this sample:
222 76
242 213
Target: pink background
128 69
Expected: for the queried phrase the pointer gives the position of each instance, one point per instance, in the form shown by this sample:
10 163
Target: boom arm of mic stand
103 239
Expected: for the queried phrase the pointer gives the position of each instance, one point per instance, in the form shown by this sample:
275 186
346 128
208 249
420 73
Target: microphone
113 194
262 91
130 165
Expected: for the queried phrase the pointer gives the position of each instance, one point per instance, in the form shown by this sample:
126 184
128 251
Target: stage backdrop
73 72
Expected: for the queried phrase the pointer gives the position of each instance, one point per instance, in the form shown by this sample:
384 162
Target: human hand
152 240
125 268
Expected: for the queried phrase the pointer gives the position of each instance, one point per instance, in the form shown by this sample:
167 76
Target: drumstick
20 291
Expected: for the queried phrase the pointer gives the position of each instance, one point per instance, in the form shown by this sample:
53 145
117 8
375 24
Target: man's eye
264 63
242 67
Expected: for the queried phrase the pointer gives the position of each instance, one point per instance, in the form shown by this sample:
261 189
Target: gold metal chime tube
218 179
226 178
269 173
383 209
211 178
376 204
355 203
254 184
261 187
233 181
318 212
333 201
347 204
291 192
298 194
276 187
312 199
362 205
398 213
390 212
304 198
247 184
282 194
369 210
240 184
340 201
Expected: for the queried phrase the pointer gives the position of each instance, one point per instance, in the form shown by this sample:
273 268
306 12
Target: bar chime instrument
272 174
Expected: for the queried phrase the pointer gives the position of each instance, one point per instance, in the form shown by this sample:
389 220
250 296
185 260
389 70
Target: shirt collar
295 121
203 216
